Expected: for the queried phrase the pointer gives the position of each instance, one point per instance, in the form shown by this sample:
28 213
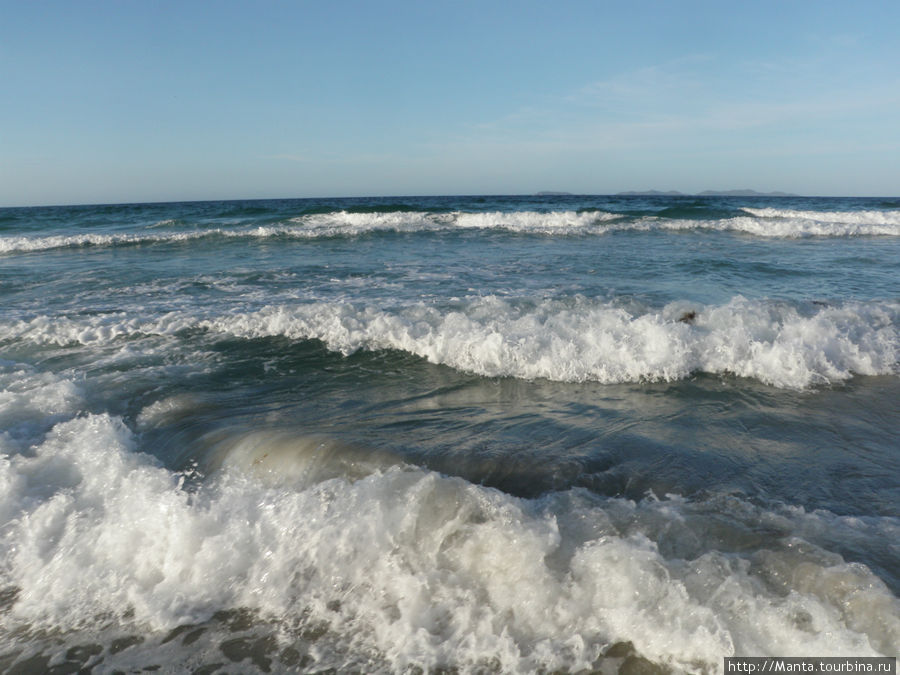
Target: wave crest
588 341
777 223
849 217
408 567
781 344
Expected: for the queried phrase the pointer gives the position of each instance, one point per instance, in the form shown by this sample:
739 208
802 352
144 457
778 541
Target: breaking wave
777 223
395 567
782 344
848 217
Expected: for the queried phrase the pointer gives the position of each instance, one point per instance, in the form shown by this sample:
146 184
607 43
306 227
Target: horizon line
546 193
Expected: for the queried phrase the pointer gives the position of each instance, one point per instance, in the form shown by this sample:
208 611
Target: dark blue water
504 434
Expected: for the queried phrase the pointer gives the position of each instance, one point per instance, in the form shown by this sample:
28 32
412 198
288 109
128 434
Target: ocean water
454 434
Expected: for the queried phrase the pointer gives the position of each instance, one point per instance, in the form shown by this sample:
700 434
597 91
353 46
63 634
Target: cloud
637 87
689 104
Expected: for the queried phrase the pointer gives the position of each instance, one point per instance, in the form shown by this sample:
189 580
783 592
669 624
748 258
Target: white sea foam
306 228
408 567
31 402
765 223
556 222
878 218
576 341
780 224
24 244
761 222
93 330
812 224
348 223
596 341
518 221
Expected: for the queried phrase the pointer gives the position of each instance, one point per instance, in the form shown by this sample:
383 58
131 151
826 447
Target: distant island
705 193
551 193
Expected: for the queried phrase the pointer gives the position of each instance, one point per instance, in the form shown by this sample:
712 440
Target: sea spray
486 434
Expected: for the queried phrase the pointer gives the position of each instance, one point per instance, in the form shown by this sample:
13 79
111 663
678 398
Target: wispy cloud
685 103
678 77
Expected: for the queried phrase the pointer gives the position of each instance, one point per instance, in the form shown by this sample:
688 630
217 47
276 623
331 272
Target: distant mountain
551 193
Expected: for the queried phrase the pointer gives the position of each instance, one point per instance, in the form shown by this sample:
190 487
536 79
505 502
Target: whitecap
412 568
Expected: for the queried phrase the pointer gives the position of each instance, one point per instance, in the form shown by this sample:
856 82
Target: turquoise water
505 434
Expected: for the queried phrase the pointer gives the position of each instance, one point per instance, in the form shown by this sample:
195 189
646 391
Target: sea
474 434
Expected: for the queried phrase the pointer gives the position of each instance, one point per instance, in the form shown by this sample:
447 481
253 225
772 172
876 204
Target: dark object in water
688 317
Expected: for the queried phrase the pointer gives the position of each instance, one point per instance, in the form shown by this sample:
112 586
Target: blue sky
150 101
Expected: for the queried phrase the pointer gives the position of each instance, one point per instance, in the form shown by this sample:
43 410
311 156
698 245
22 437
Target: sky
127 101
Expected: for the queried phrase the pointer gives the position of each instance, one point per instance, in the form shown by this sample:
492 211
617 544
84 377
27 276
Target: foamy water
768 222
409 567
506 435
777 343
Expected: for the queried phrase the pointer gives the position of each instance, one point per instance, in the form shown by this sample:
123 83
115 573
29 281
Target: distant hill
551 193
705 193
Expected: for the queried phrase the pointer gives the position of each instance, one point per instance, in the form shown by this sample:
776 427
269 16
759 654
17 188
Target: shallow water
485 434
